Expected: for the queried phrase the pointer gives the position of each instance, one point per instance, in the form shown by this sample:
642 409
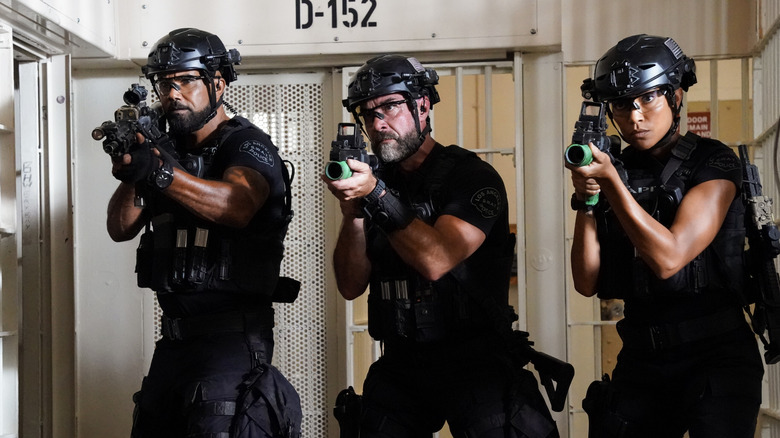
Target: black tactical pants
710 388
411 391
192 386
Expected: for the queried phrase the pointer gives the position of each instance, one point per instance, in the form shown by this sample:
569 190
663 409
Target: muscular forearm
231 202
423 247
350 261
124 220
697 221
434 250
585 254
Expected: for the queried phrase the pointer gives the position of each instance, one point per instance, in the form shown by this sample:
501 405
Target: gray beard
188 122
404 148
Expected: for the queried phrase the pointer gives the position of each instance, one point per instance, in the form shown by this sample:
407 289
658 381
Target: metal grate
290 113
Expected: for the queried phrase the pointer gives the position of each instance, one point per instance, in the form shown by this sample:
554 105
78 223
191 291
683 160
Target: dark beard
406 146
186 123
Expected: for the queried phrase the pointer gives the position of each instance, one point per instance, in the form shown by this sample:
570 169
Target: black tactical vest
623 274
402 305
179 252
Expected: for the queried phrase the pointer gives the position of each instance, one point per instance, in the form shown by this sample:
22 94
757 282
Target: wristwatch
577 204
163 176
376 193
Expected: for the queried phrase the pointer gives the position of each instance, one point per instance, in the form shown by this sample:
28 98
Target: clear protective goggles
643 103
182 84
386 110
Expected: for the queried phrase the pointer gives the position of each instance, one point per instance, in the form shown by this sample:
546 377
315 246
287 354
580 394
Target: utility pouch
180 257
286 290
402 322
599 403
597 397
377 327
143 259
727 254
388 316
393 313
430 324
348 410
429 317
225 260
162 258
267 399
199 259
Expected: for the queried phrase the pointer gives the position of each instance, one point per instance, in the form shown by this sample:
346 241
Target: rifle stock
555 375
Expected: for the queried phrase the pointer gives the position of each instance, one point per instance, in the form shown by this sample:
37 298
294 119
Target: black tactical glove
143 163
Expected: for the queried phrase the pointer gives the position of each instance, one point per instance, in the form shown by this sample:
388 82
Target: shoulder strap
448 157
289 176
234 125
680 152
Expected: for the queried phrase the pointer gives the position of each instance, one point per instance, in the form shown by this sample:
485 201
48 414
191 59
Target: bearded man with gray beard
428 233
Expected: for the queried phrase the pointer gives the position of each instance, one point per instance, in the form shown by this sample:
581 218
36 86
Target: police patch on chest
487 201
257 150
724 162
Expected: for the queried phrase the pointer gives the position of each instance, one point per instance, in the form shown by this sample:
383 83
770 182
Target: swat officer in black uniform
667 236
215 212
429 233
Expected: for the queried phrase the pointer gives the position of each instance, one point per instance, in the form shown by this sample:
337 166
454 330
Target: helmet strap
675 120
424 133
414 109
213 102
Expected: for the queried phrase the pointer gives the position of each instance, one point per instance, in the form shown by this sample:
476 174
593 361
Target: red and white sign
699 123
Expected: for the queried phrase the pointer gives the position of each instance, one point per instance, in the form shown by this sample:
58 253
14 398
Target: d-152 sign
341 12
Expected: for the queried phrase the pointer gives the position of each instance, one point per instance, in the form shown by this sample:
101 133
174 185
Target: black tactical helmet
637 64
388 74
191 49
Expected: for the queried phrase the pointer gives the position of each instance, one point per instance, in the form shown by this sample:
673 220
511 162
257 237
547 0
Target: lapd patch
724 162
487 201
257 150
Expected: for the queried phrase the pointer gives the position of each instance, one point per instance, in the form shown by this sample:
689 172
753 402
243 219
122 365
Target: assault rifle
349 143
135 116
591 127
763 238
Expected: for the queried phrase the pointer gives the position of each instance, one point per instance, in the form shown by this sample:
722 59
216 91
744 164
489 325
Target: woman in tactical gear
427 233
215 216
667 237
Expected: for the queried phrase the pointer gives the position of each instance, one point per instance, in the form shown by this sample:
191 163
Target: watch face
163 179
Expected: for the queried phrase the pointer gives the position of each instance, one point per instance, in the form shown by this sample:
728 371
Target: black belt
261 322
661 336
